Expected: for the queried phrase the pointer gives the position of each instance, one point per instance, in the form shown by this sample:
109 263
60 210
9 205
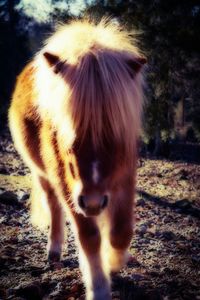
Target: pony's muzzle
92 205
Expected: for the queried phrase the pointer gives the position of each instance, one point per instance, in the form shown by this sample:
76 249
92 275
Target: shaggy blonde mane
94 92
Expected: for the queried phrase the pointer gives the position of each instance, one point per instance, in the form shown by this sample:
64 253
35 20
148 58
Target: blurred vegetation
168 34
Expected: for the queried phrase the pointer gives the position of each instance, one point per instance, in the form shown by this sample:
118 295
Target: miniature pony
75 118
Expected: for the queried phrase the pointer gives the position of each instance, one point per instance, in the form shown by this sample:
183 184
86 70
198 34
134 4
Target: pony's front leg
89 240
56 230
121 232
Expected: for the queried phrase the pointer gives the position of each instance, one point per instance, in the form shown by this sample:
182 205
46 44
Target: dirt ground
166 244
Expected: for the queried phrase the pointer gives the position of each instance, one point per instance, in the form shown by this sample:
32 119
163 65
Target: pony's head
94 88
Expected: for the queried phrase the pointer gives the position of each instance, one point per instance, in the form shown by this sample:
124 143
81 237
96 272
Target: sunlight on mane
94 90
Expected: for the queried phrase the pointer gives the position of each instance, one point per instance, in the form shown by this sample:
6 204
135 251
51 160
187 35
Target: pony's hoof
99 295
54 256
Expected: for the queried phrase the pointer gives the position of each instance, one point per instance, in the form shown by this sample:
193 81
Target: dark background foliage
168 34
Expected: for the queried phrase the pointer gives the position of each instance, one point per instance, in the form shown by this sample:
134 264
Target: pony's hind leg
89 242
56 230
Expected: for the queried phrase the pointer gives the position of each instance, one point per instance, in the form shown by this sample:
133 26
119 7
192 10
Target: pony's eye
71 167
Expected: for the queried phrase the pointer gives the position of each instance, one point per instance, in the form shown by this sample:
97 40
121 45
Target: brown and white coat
75 118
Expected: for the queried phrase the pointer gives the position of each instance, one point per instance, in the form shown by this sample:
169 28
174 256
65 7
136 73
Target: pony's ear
51 59
135 65
54 61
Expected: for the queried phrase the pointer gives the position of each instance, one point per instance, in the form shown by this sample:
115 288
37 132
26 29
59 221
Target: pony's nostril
104 201
81 201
